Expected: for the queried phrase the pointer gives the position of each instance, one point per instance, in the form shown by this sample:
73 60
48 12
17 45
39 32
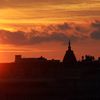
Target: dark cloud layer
20 38
51 33
96 35
96 24
64 26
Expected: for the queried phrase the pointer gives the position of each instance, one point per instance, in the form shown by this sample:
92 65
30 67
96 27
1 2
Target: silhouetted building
99 59
19 59
69 57
88 58
54 61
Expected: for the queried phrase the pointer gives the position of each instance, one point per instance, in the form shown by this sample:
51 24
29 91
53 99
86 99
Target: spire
69 45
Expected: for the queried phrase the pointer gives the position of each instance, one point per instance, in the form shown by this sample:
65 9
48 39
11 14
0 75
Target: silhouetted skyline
69 58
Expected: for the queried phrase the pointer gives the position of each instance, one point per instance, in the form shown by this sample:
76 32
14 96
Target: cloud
58 37
95 24
51 33
96 35
7 37
22 38
64 26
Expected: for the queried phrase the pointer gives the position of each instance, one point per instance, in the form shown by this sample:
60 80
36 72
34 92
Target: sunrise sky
43 27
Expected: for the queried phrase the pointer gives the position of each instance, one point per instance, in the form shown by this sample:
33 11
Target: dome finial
69 45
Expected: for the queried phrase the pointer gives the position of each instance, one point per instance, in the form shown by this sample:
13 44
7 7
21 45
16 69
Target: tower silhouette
69 57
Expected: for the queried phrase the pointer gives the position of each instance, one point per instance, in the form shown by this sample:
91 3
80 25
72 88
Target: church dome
69 57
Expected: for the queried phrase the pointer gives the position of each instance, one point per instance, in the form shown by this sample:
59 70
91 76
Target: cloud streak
22 3
47 11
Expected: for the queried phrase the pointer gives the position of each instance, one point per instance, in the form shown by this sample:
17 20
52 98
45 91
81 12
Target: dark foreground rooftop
51 81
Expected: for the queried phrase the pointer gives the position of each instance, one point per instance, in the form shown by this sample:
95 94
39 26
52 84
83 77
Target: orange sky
43 27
